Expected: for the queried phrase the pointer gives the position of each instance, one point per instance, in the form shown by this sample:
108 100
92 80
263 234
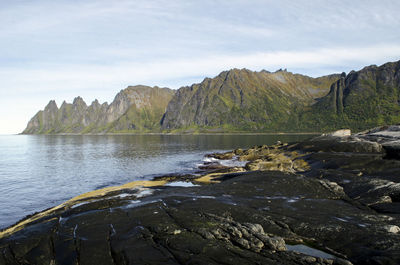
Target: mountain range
238 100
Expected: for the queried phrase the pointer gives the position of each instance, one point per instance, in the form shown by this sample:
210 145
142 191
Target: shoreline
320 201
179 134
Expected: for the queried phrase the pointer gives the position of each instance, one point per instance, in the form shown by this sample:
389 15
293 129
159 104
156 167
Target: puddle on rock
309 251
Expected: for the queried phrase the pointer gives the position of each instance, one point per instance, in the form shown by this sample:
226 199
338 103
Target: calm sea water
37 172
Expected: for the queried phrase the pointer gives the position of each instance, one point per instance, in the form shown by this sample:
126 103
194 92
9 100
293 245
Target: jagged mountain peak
78 101
52 105
281 70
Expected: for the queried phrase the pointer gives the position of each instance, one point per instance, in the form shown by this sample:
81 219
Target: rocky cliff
136 108
366 98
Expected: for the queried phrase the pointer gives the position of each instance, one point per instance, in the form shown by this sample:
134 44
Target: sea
42 171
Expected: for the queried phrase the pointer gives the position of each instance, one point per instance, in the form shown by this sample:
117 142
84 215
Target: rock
238 151
383 199
255 228
339 133
177 232
341 144
274 243
300 165
328 261
309 259
392 149
333 187
279 161
392 229
374 191
278 165
222 156
342 262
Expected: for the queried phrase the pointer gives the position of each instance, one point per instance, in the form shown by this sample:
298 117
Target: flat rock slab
197 225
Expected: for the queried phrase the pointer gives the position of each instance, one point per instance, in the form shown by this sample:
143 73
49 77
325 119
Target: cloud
56 77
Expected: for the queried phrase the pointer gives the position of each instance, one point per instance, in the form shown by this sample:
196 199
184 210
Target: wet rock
255 153
392 149
238 151
222 156
212 166
300 165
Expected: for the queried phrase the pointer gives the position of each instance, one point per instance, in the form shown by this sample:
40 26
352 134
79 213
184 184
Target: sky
60 49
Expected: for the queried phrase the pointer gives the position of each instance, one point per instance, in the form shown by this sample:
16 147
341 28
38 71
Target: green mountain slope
363 99
243 100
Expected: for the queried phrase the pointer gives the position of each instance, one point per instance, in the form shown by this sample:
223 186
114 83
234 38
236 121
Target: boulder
392 149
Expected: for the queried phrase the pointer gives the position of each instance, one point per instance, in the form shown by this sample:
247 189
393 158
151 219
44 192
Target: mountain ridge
102 118
242 99
238 100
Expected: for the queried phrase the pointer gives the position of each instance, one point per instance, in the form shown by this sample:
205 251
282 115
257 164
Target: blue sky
59 49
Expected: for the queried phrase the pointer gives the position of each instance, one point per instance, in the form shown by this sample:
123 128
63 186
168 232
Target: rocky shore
333 199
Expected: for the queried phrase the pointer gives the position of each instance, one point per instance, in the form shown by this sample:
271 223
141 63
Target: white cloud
62 77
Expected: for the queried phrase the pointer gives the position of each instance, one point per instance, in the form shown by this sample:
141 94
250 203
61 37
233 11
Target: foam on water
181 184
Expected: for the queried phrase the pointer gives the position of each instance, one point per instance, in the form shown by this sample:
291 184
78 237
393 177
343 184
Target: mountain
239 100
363 99
244 100
134 109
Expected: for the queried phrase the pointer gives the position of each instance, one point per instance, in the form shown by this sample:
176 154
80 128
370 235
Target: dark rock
392 149
222 156
341 144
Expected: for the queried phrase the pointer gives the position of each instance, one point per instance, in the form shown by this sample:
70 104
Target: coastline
211 133
287 203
